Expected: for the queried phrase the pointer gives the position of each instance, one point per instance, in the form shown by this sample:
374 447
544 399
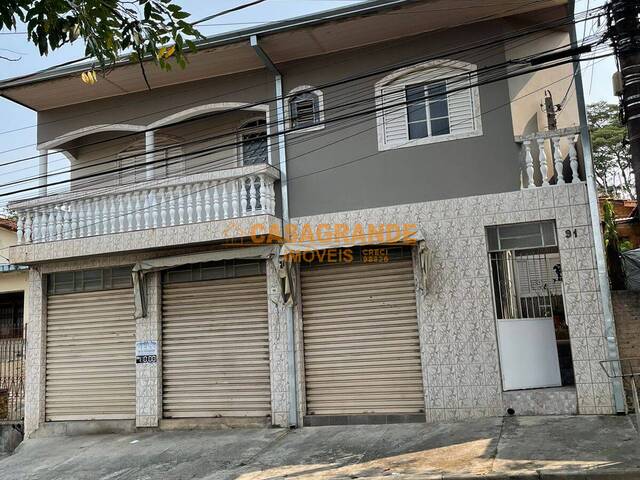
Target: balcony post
43 171
149 146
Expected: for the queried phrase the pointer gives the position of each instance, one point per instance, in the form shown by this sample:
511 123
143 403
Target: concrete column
149 146
43 169
278 350
149 375
35 366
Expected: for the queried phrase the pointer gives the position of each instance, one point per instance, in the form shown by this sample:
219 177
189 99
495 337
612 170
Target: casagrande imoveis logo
328 242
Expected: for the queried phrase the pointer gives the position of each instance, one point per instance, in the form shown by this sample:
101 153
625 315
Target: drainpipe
601 263
282 155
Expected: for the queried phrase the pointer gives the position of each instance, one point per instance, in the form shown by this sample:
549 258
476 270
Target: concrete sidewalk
520 447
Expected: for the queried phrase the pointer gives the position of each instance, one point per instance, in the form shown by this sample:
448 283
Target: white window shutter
461 111
394 115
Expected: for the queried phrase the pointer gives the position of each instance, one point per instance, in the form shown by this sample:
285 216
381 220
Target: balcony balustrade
550 158
207 197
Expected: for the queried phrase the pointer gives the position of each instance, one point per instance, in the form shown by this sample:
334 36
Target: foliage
611 154
108 28
612 247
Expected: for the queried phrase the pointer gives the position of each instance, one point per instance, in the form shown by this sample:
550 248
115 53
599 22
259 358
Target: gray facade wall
340 168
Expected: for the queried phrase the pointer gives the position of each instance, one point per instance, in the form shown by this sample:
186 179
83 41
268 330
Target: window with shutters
167 158
305 109
427 103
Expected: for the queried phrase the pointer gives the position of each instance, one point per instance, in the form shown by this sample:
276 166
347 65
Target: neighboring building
390 125
13 285
627 223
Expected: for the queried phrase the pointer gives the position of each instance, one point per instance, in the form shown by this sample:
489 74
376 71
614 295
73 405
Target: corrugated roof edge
225 38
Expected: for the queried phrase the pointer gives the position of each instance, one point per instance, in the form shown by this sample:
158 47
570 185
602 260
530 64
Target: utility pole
623 18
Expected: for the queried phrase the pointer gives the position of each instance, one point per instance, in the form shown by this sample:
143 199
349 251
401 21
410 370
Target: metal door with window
215 341
361 342
527 282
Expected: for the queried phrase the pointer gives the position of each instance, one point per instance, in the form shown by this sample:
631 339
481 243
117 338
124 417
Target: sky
20 141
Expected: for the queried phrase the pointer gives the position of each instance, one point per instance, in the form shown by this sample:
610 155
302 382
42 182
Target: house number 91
570 233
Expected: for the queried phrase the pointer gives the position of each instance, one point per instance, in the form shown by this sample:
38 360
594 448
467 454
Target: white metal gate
361 343
90 357
215 348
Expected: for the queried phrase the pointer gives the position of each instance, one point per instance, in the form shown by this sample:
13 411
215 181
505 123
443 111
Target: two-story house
354 216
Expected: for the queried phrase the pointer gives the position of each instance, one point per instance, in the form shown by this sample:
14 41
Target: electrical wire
497 39
315 172
337 119
262 102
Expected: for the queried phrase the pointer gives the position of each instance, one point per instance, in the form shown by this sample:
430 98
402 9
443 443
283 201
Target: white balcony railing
550 158
206 197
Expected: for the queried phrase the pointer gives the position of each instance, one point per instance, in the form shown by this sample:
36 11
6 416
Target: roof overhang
325 32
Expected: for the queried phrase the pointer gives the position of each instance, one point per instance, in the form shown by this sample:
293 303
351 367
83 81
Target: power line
463 77
315 172
322 86
334 120
517 34
235 144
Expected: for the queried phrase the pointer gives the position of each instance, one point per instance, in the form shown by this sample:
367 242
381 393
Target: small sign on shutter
147 352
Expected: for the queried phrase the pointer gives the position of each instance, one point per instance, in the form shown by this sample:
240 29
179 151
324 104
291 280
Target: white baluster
106 215
225 201
243 197
122 213
162 199
542 159
189 199
81 219
130 207
198 194
528 161
207 202
138 210
44 226
180 199
216 203
558 160
155 209
27 236
97 217
172 206
263 195
573 159
35 229
19 229
113 214
74 219
271 196
147 205
51 225
59 222
66 222
234 198
253 200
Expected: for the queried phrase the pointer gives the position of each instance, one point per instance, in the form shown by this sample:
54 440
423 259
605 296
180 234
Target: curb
621 474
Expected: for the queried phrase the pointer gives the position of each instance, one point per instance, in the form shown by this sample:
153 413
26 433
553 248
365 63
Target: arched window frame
423 73
291 96
252 124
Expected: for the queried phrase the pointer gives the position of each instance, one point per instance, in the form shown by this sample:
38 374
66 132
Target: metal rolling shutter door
361 344
90 361
215 348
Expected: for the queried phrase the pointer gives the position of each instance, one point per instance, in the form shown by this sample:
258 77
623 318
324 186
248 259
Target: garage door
215 348
361 346
90 358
